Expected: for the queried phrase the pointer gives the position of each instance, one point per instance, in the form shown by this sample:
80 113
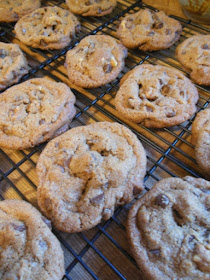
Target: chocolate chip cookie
95 61
201 140
13 64
12 10
47 28
88 171
29 250
168 229
194 55
33 112
95 8
156 96
149 30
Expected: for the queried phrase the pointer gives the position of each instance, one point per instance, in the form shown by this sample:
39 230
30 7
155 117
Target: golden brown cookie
13 64
88 171
95 8
201 140
33 112
168 230
194 55
29 250
47 28
149 30
12 10
156 96
95 61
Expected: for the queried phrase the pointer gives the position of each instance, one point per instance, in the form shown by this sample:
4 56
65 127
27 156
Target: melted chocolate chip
42 121
151 33
171 114
43 43
97 199
19 228
107 68
149 109
158 25
136 191
205 47
155 252
162 200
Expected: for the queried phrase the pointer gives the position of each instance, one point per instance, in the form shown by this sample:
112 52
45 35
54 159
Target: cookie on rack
95 8
168 229
47 28
12 10
95 61
33 112
149 30
201 140
88 171
29 250
194 55
156 96
13 64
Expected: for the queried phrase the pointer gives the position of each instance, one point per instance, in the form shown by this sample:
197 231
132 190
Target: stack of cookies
85 172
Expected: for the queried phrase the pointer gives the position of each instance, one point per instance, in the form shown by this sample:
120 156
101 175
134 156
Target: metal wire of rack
99 253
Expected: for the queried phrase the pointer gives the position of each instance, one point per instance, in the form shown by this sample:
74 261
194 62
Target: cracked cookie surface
96 8
33 112
168 229
149 30
13 64
201 140
47 28
11 10
194 55
95 61
28 248
88 171
156 96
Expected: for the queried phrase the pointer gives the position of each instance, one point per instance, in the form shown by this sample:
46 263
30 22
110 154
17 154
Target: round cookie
88 171
201 140
149 30
96 8
156 96
95 61
29 250
168 230
47 28
12 10
33 112
13 64
194 55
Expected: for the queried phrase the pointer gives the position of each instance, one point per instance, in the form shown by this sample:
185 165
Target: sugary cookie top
169 230
86 172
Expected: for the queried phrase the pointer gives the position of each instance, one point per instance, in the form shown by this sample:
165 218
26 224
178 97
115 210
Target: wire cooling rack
103 252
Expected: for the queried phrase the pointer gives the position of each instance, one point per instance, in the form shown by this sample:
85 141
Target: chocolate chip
152 98
182 93
136 191
165 89
162 200
47 222
149 109
170 114
3 53
168 31
158 25
99 11
15 15
107 68
161 82
205 191
155 252
97 199
205 47
43 43
42 121
19 228
151 33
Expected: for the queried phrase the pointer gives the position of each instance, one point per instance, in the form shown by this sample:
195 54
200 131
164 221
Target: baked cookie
13 64
88 171
95 61
168 229
201 140
33 112
12 10
95 8
149 30
47 28
194 55
156 96
29 250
